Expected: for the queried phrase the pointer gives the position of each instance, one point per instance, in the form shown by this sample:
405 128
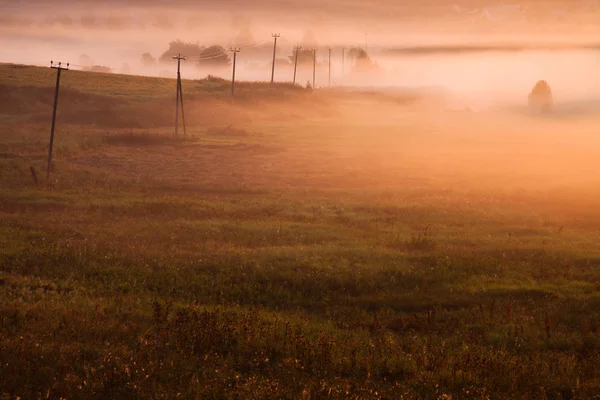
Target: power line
199 58
215 55
58 69
254 45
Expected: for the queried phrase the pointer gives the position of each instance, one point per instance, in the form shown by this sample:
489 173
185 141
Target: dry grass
353 252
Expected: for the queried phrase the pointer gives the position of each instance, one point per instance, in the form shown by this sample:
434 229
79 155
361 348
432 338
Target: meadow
294 244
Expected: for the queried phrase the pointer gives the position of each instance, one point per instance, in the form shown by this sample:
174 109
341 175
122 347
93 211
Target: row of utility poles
275 36
298 48
235 51
179 91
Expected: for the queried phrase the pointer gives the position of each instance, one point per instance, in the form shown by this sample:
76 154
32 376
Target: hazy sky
333 22
131 12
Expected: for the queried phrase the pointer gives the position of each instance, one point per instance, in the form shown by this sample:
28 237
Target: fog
483 54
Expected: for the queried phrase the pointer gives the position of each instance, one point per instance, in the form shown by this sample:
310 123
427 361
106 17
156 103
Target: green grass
337 255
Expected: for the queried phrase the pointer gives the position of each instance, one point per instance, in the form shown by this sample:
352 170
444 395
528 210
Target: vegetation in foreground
271 256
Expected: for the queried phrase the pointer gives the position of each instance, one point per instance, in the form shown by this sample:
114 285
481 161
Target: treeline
216 56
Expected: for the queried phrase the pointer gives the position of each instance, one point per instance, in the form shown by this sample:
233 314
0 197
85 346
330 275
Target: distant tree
148 60
214 56
357 53
180 47
305 56
362 61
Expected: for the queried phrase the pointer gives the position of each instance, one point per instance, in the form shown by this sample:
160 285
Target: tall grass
275 265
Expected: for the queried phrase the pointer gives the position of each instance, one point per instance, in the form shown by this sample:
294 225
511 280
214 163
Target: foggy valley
381 200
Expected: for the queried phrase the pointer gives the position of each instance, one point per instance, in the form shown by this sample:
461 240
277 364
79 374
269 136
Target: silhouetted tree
362 61
183 48
305 56
214 56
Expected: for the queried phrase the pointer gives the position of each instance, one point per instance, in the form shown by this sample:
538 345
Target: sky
153 23
391 18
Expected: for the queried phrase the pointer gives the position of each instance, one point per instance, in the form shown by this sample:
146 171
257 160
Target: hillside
302 245
127 101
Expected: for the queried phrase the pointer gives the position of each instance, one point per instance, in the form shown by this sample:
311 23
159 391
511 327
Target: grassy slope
298 260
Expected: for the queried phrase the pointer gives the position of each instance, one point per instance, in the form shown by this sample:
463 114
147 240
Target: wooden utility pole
296 49
330 66
182 113
58 69
179 95
343 54
314 66
275 36
234 51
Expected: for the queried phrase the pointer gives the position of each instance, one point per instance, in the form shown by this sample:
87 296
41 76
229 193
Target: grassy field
293 245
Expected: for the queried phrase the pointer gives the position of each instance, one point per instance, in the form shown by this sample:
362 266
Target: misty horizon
457 46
